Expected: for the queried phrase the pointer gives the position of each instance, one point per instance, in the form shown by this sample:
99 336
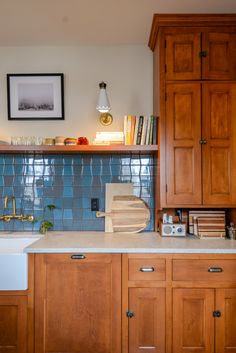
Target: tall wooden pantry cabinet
195 97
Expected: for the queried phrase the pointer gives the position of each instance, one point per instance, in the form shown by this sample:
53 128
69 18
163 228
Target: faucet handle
27 217
5 202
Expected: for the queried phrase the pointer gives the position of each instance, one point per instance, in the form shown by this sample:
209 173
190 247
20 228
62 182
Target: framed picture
35 96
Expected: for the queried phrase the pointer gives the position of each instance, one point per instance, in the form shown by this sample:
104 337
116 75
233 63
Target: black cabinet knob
216 313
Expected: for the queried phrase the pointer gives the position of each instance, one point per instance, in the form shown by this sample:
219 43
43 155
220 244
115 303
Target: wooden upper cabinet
182 56
183 149
206 55
220 60
78 303
218 154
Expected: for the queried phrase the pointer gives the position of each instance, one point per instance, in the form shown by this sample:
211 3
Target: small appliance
172 229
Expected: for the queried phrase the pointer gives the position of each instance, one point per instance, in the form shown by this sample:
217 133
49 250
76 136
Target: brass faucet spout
8 217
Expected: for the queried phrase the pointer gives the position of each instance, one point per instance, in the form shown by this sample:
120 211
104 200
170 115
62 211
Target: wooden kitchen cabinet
144 303
201 150
194 96
17 316
13 324
147 326
193 323
225 324
78 303
195 54
200 331
204 302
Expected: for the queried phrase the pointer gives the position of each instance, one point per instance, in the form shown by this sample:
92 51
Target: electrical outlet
94 204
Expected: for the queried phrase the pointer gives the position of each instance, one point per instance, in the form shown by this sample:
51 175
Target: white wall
127 70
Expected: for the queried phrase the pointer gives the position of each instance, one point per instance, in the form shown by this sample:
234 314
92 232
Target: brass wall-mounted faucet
9 217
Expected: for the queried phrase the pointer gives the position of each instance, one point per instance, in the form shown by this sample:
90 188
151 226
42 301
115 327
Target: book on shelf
136 130
140 130
109 138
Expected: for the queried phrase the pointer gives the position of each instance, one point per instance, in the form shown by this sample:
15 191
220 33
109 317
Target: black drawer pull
147 269
78 257
215 269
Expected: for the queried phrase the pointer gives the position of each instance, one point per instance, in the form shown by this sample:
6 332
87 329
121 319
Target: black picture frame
35 96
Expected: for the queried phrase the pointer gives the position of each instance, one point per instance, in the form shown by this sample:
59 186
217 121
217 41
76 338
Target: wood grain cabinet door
183 148
219 62
13 324
182 56
78 303
219 151
147 326
193 321
226 322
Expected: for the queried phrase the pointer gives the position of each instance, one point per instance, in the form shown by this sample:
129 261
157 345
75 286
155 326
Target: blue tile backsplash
69 182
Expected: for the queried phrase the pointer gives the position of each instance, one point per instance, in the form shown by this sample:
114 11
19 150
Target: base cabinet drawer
204 270
145 269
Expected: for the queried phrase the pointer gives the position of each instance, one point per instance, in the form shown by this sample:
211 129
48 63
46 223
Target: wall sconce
103 105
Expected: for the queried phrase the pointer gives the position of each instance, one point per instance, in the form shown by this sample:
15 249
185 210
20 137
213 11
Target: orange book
133 122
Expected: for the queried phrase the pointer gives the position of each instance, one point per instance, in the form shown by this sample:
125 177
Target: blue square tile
87 170
58 213
77 202
77 160
67 191
8 169
9 159
96 170
67 202
67 170
68 180
58 225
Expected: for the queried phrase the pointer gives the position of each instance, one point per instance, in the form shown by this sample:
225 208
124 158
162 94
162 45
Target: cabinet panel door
219 153
183 149
147 326
226 323
220 60
13 324
193 322
78 303
182 56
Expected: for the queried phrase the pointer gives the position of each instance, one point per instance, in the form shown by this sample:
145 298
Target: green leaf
51 207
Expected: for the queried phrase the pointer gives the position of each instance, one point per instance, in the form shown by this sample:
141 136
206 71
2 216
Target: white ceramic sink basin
14 262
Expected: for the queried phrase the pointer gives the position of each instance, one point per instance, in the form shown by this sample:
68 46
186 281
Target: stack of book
207 224
109 138
140 130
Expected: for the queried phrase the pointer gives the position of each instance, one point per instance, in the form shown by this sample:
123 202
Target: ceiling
91 22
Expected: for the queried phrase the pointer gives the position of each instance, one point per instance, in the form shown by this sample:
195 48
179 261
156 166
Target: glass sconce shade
103 105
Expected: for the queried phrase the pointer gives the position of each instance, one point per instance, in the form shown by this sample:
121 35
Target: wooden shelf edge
79 149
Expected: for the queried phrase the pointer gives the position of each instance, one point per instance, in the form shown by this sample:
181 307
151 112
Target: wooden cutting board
129 214
111 190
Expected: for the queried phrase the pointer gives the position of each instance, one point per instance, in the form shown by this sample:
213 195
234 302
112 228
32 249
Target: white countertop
146 242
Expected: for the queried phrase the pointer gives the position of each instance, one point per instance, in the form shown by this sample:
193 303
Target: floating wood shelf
79 149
